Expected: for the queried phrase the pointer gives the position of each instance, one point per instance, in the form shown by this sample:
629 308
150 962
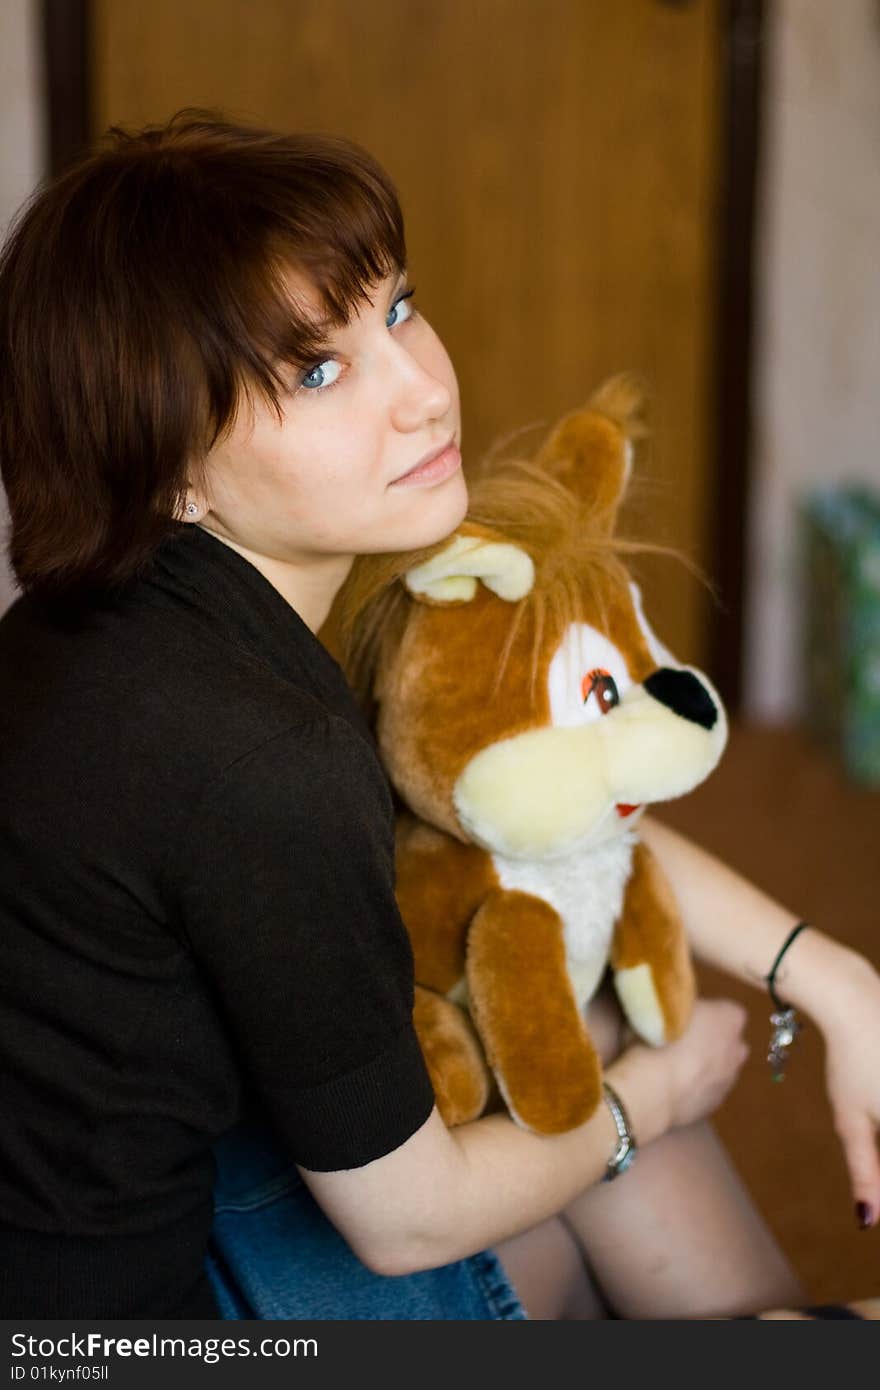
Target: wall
21 149
818 342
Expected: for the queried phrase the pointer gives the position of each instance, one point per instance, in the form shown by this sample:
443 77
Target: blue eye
320 371
325 374
400 304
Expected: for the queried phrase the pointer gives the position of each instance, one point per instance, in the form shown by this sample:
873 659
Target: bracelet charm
786 1027
784 1020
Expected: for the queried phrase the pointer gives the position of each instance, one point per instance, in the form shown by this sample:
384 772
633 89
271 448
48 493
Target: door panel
557 162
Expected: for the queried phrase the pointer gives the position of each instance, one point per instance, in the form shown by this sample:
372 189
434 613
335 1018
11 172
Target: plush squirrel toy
526 714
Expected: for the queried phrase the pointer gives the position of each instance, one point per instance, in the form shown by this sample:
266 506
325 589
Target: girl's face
328 481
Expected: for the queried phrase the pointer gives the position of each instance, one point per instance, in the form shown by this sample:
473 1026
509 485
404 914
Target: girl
216 390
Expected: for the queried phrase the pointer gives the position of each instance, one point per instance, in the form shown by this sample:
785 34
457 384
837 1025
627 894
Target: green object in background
841 657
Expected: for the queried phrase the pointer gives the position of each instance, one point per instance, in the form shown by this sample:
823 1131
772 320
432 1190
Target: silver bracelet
626 1148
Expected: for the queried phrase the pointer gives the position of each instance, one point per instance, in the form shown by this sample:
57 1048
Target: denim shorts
274 1254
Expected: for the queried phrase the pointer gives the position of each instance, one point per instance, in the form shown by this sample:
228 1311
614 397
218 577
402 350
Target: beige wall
21 149
818 343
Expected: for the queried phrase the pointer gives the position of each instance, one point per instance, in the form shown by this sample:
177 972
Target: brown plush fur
649 931
440 885
506 655
521 1000
447 680
453 1056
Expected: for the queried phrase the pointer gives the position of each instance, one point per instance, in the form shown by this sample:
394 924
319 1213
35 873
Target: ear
661 654
590 450
451 575
194 502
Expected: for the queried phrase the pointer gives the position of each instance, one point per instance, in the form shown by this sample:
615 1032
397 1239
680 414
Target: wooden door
557 163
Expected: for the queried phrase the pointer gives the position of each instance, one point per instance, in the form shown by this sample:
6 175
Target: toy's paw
641 1004
453 1056
544 1061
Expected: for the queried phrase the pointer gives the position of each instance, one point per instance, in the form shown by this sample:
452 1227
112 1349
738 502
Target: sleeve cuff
360 1116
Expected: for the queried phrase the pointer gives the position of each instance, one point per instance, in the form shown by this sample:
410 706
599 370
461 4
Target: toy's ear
451 575
590 450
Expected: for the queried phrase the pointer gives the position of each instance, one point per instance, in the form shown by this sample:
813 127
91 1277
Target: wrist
639 1077
817 974
627 1144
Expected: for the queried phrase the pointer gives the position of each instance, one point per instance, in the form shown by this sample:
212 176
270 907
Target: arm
447 1193
735 927
444 1194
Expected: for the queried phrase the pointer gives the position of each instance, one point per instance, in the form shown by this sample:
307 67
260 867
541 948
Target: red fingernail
864 1215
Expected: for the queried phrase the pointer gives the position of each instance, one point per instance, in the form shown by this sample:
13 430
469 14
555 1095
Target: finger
856 1134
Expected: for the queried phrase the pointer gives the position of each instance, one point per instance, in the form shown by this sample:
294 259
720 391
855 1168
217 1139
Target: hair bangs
236 248
340 243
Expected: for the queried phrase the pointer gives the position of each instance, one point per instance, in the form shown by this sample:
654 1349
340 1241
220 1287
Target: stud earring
191 509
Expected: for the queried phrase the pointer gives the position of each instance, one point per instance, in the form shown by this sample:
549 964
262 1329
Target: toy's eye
603 686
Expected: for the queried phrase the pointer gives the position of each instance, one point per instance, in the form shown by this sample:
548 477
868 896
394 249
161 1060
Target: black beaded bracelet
784 1020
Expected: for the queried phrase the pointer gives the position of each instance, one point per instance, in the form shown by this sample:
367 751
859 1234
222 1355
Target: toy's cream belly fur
587 890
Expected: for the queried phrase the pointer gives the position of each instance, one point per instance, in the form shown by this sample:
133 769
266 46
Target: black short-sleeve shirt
197 919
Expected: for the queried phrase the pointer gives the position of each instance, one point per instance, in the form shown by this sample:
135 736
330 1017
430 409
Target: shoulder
314 774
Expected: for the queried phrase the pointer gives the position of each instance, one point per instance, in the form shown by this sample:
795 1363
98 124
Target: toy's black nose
684 694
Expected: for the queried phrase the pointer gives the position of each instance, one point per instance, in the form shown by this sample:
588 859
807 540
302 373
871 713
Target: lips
427 458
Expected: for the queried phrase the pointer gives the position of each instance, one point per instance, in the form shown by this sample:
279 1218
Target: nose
684 694
419 395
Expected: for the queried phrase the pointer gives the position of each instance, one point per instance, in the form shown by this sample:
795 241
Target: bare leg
547 1264
547 1268
678 1235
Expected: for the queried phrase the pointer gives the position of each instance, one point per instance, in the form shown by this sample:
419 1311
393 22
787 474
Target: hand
684 1081
703 1064
852 1073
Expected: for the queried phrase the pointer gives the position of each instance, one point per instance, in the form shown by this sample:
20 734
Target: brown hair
141 297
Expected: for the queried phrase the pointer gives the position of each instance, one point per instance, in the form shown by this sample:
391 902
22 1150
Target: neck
308 586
